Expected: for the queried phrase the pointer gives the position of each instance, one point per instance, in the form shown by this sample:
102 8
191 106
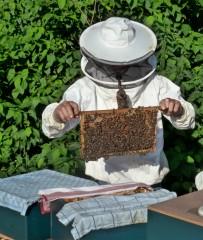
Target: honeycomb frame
113 132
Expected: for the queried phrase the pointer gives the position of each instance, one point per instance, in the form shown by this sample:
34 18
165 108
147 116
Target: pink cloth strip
50 195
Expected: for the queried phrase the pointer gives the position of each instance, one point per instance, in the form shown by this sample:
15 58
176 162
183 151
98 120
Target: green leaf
10 114
60 68
200 2
53 156
83 18
28 132
61 3
1 109
201 141
190 160
17 82
40 162
186 28
50 60
149 20
18 118
11 74
15 93
39 33
32 114
35 102
178 17
69 61
24 73
43 54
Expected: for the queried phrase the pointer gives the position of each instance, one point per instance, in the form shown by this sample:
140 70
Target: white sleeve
170 90
50 127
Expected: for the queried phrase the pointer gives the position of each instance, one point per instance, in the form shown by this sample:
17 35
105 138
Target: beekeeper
118 62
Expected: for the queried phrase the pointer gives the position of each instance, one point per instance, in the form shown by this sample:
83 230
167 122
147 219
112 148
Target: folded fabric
79 193
21 191
109 211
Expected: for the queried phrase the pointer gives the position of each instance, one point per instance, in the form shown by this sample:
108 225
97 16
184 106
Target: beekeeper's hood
118 43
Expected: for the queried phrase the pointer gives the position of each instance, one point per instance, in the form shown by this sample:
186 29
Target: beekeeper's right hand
65 111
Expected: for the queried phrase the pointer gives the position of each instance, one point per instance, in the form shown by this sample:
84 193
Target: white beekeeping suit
121 42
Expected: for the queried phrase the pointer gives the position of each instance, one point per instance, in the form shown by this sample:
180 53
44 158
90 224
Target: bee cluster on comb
116 132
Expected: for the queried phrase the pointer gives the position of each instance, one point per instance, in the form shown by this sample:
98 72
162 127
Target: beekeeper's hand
171 107
65 111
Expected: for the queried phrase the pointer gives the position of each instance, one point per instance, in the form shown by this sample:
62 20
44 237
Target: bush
40 58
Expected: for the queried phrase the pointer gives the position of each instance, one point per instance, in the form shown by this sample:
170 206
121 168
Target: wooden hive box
117 132
32 226
61 232
176 219
22 190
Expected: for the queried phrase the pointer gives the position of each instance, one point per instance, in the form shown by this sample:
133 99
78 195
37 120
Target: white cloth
149 168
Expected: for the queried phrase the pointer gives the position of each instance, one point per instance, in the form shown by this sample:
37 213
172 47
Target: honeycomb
116 132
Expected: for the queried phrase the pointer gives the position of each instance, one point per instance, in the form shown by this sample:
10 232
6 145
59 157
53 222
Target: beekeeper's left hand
171 107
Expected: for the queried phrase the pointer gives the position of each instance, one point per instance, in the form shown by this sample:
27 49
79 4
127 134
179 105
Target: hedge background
40 58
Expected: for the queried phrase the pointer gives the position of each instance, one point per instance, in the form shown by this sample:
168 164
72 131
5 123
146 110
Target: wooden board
117 132
184 208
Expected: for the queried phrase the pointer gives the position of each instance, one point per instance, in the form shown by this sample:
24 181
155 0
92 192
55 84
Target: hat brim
144 45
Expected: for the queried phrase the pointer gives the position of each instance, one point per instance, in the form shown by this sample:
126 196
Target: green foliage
39 58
